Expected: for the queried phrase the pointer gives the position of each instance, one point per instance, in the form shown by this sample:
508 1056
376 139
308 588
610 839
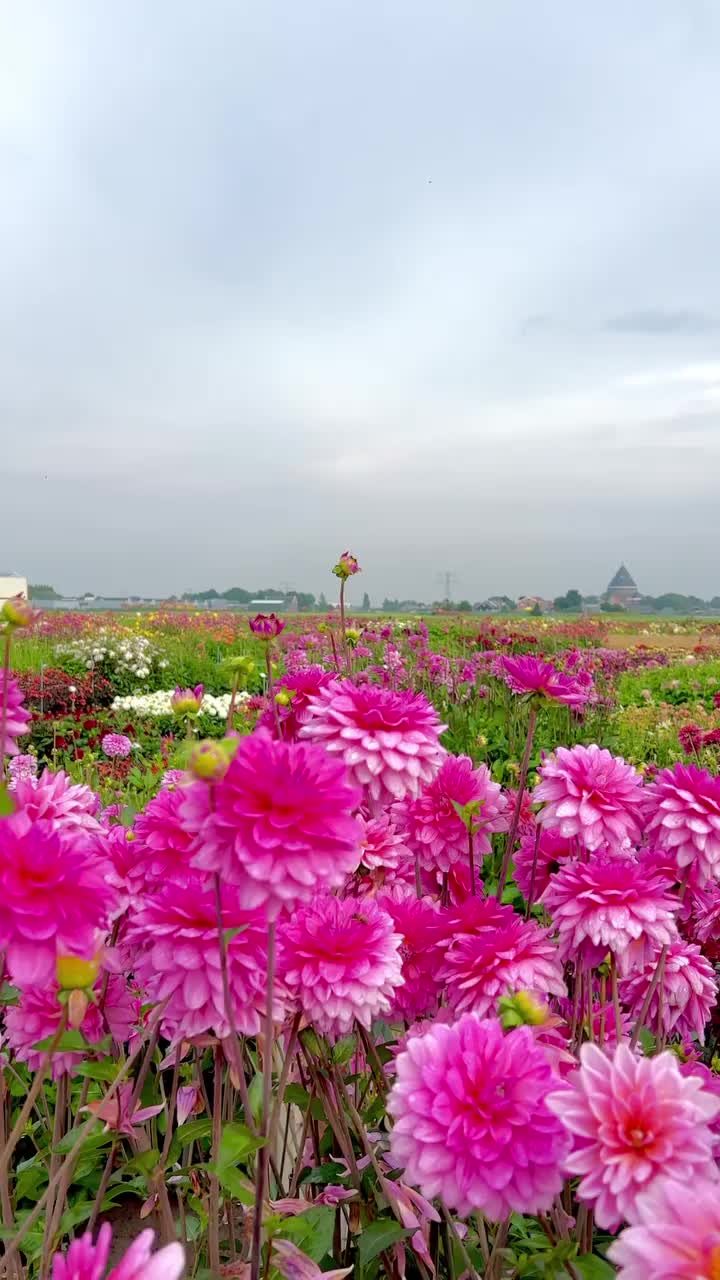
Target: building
11 585
622 590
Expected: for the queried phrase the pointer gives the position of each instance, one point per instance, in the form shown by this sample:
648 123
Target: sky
436 281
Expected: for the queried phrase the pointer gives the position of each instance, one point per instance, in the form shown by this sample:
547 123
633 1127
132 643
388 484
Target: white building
11 585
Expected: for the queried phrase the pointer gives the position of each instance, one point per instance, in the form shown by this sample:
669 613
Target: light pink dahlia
516 955
389 740
162 839
340 959
383 846
470 1120
17 719
591 795
54 897
117 746
529 676
417 920
281 825
36 1017
177 958
687 994
22 768
539 854
435 830
610 904
684 816
634 1120
86 1259
676 1235
54 797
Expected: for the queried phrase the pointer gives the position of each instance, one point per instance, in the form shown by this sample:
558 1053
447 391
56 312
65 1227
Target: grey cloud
652 320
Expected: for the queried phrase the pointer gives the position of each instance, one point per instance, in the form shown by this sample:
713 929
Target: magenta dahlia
54 797
383 846
470 1120
54 897
526 675
540 853
282 823
591 795
340 959
86 1259
684 816
17 719
675 1236
162 840
686 996
37 1015
417 920
389 740
294 714
435 829
610 904
634 1120
480 966
177 958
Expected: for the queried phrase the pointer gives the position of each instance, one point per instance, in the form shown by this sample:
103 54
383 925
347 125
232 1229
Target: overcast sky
435 281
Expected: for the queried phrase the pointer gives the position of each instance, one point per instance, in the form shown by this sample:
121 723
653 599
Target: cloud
661 322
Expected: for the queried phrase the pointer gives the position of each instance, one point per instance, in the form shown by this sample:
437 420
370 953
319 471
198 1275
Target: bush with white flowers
121 655
158 704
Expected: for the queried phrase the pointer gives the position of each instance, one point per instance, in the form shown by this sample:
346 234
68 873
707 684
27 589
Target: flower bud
521 1010
187 702
18 612
266 625
209 760
346 567
77 1007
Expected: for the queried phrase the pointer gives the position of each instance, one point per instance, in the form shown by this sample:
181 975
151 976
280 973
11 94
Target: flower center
639 1137
714 1263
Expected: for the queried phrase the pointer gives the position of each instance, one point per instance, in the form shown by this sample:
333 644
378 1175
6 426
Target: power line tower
449 578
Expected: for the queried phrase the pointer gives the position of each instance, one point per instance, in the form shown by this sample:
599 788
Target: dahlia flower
281 824
470 1120
687 994
527 675
389 740
266 625
634 1120
177 958
383 846
122 1113
187 702
340 960
18 612
300 687
116 746
86 1259
435 829
417 920
22 769
54 797
676 1233
54 898
591 795
162 841
346 567
17 719
539 854
514 955
684 816
610 904
37 1015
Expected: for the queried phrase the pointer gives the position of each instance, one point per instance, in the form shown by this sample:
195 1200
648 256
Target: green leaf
344 1049
69 1042
229 934
8 994
255 1094
236 1141
592 1267
379 1236
300 1097
312 1231
93 1142
325 1173
191 1131
97 1070
127 815
233 1182
7 804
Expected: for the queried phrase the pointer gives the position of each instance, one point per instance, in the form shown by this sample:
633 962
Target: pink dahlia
610 904
684 816
591 795
177 958
162 840
383 846
116 746
281 824
294 714
54 897
634 1120
435 829
22 769
676 1235
86 1259
417 920
340 959
389 740
687 994
470 1120
526 675
17 719
36 1017
516 955
539 855
54 797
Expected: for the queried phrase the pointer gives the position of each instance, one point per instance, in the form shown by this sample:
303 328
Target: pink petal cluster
481 964
591 795
684 817
526 675
86 1259
17 719
340 960
389 740
301 686
36 1017
162 839
435 829
418 921
686 995
177 958
54 797
539 854
610 904
633 1120
281 825
676 1233
22 768
117 746
383 846
470 1120
54 897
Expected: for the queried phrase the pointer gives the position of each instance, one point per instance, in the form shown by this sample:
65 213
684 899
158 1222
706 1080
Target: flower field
356 945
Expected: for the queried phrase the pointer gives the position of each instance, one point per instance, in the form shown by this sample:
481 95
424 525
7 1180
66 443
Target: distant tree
536 611
365 606
571 602
42 591
238 595
464 606
322 603
305 599
607 607
390 606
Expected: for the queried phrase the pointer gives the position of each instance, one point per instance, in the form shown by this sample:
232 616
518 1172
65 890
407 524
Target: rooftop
623 578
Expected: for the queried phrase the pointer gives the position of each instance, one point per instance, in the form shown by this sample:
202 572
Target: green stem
5 697
522 779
